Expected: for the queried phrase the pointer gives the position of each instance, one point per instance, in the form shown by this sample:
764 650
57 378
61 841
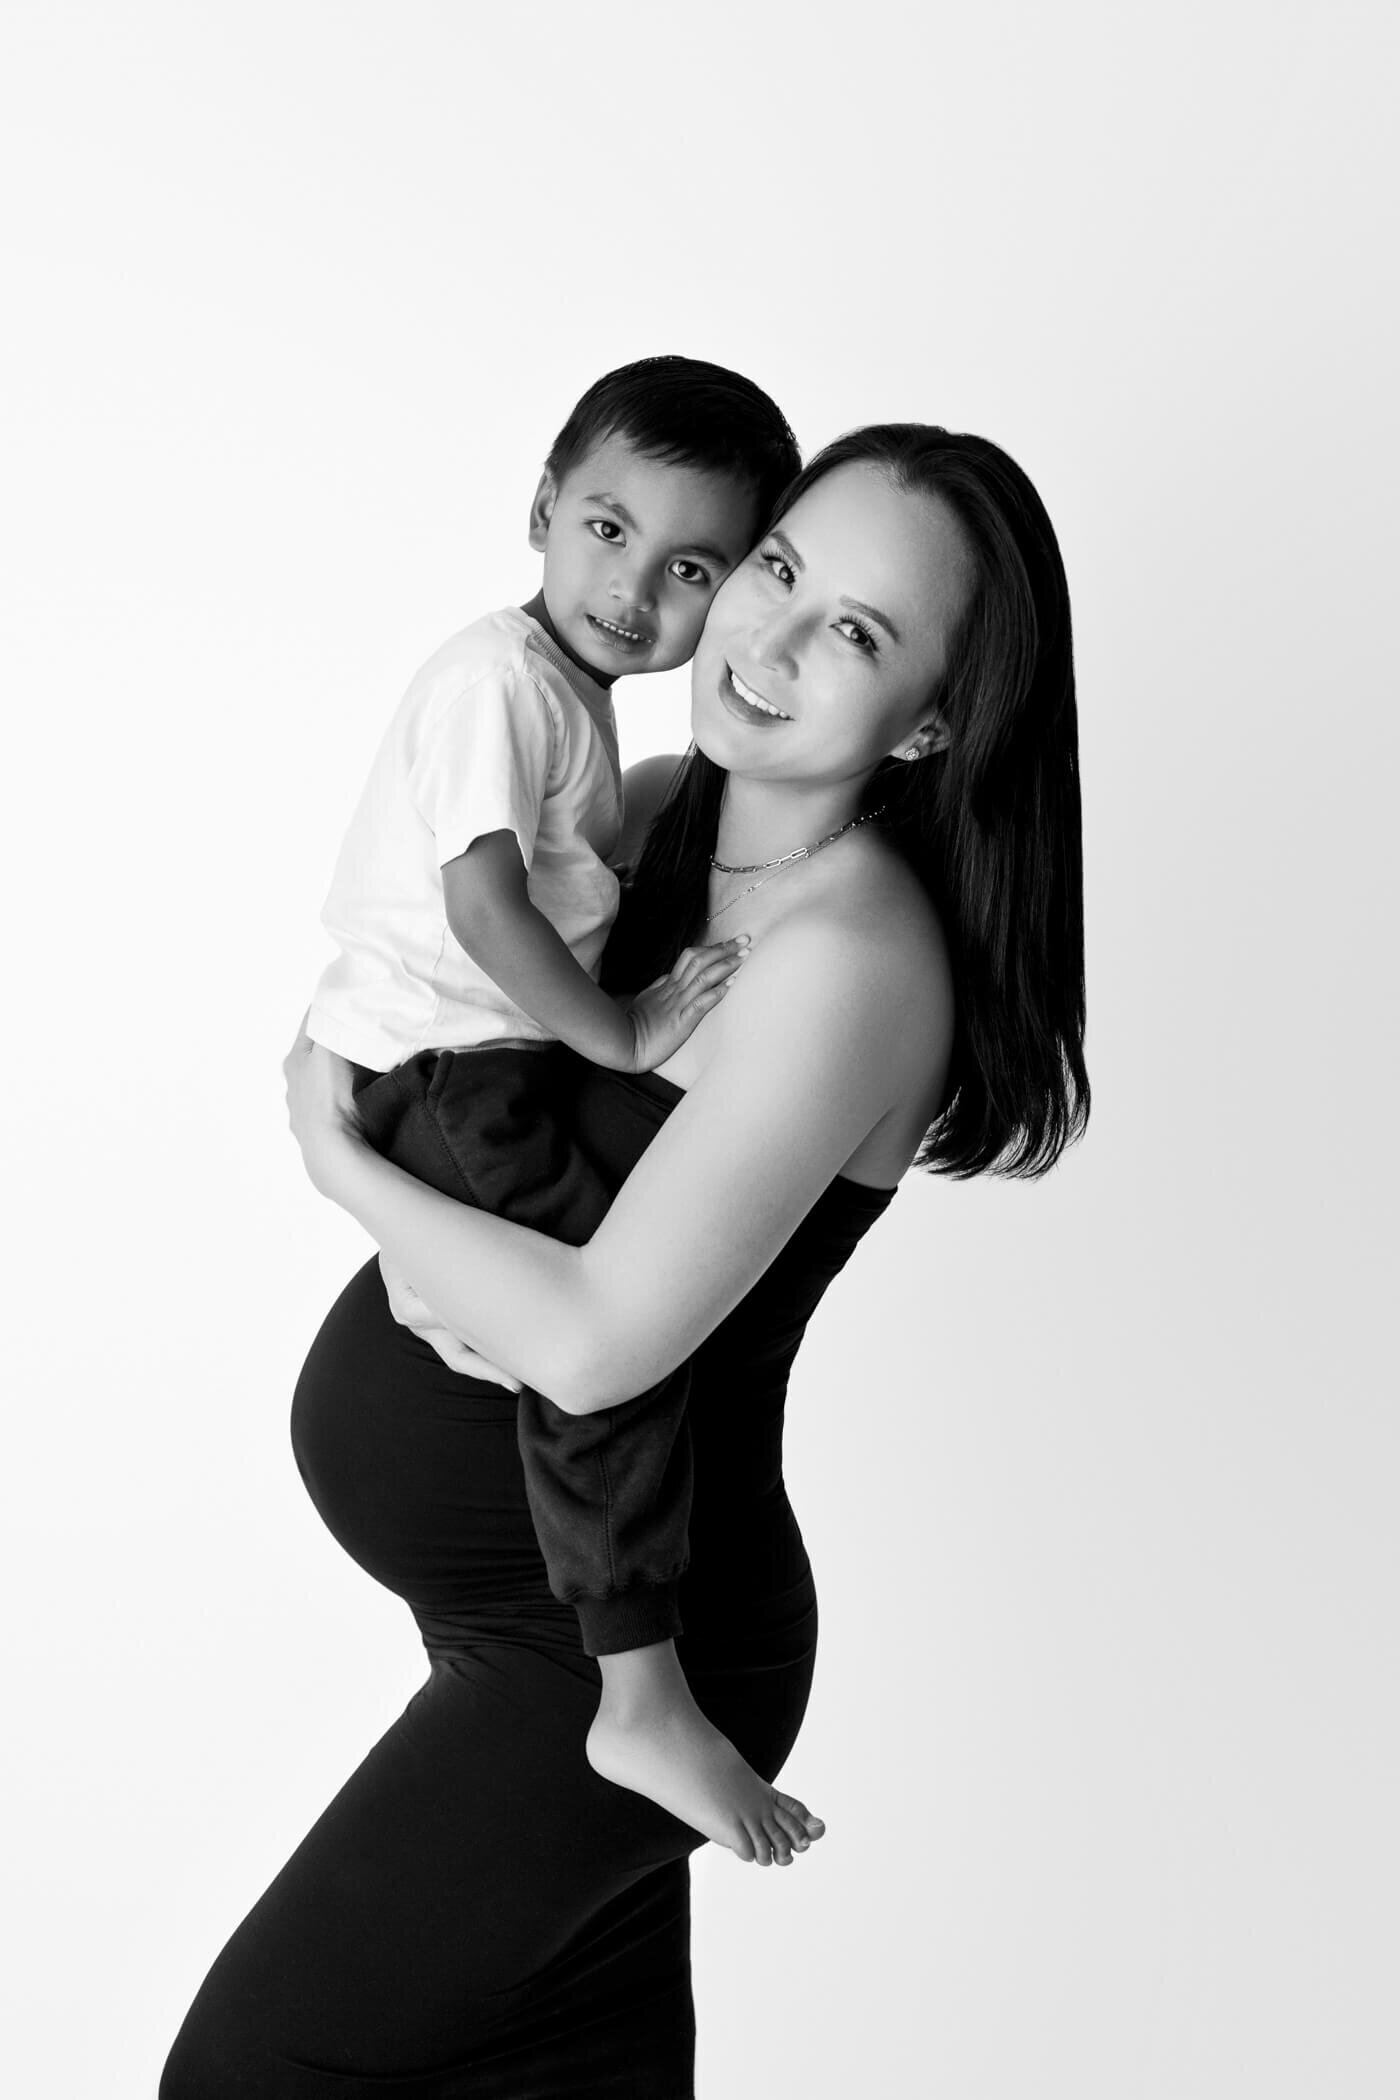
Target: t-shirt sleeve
484 763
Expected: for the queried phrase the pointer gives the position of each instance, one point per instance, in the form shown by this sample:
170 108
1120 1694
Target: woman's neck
760 820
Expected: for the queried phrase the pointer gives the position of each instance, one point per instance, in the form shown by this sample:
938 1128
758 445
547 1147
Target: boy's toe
792 1827
781 1846
809 1825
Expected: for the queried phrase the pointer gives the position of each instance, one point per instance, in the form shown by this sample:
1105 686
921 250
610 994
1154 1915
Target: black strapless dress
476 1913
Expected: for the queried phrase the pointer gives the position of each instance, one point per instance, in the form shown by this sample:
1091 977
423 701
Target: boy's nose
633 588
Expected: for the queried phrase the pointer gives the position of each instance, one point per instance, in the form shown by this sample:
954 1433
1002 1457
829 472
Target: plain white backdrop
1099 1476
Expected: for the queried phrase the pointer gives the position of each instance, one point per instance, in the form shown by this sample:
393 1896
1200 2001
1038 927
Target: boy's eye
607 529
688 571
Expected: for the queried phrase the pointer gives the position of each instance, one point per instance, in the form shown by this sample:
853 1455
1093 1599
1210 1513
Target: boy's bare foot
650 1736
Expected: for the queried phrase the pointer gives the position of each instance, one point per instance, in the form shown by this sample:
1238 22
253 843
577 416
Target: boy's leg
610 1496
609 1493
482 1125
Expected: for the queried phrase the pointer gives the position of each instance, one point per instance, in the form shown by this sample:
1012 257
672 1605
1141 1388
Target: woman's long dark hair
991 824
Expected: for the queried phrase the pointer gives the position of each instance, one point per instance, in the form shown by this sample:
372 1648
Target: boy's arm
491 916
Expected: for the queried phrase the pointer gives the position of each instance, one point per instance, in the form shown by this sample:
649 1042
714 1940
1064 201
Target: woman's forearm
528 1302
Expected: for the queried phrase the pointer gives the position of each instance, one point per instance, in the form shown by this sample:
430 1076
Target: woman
885 796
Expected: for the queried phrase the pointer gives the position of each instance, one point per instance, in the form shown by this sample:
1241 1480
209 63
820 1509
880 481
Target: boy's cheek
704 612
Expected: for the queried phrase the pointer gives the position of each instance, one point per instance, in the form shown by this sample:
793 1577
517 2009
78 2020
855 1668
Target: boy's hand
667 1012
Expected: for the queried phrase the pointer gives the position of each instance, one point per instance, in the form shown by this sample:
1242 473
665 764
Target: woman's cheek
733 601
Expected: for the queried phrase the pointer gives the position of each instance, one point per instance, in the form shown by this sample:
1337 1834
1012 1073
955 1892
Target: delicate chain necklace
766 870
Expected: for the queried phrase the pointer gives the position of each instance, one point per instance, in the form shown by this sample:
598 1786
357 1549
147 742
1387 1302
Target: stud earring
913 752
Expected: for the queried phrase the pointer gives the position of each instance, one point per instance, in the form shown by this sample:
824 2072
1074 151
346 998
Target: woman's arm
812 1048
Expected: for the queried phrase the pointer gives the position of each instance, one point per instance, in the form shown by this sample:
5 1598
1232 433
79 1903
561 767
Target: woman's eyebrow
873 613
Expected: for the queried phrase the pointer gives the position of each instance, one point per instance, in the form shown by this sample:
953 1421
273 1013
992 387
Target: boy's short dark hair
690 413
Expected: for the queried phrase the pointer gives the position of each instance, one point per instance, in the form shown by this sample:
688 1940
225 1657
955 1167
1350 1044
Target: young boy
471 903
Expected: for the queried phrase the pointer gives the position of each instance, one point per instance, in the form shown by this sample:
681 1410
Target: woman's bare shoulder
862 961
842 1014
864 966
876 915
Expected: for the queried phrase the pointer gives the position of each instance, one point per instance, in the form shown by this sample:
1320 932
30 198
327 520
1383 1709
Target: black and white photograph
700 867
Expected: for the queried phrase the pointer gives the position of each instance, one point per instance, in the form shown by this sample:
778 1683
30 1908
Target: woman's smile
745 702
847 609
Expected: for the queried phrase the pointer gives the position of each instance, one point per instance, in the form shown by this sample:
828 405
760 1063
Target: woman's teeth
746 692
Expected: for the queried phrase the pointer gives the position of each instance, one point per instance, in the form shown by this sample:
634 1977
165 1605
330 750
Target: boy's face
634 550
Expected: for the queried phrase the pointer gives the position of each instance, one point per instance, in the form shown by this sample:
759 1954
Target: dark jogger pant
609 1492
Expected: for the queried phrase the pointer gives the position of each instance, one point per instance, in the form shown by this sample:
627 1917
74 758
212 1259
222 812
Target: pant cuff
635 1618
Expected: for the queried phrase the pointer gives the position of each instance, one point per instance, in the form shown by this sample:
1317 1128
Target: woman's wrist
325 1122
334 1160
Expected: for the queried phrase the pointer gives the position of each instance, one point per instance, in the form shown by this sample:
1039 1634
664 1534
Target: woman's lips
733 699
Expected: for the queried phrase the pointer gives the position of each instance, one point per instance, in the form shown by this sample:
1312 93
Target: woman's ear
930 736
542 510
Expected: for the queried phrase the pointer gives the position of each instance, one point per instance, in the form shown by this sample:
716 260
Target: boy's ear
542 510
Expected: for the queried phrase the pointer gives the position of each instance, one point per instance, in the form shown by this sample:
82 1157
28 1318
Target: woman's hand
415 1313
321 1108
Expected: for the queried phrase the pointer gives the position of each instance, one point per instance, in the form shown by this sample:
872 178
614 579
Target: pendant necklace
766 870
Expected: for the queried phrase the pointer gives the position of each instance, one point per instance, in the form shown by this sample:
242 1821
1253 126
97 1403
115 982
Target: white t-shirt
498 732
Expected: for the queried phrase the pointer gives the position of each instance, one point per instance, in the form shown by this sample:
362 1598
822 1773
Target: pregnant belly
416 1471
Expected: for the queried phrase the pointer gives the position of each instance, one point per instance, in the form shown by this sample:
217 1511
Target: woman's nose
775 644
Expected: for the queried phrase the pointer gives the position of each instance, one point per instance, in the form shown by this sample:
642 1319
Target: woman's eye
777 566
855 632
607 529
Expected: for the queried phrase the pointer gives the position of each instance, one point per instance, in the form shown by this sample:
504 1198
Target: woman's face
822 648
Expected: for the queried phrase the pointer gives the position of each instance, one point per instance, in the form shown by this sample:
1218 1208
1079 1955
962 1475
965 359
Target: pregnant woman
884 794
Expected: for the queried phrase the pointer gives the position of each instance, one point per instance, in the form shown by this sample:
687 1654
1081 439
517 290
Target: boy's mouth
616 635
745 701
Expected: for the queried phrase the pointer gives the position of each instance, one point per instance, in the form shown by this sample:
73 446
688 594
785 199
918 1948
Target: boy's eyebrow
714 554
619 510
872 612
625 517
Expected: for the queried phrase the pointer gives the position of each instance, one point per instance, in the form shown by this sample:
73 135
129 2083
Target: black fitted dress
477 1913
